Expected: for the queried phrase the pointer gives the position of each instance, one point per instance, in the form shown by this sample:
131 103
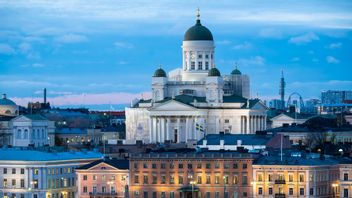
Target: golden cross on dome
198 14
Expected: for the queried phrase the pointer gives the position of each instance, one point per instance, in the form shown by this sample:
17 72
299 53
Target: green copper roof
198 32
236 72
159 73
214 72
5 101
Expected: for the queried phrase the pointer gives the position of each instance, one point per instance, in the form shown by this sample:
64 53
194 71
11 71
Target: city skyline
88 54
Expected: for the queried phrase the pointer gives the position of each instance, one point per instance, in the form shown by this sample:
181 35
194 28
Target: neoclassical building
196 99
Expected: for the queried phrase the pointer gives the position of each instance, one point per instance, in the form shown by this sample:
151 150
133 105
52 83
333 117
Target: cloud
295 59
123 45
244 46
304 39
334 45
71 38
6 49
223 42
35 65
87 98
332 60
256 60
270 33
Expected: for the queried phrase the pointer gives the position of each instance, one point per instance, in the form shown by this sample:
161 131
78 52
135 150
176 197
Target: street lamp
334 186
192 183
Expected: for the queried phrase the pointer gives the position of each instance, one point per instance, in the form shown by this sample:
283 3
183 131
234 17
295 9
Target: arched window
33 134
25 135
43 133
19 134
8 112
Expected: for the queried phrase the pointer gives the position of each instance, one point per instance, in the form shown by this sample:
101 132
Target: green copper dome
5 101
236 72
159 73
198 33
214 72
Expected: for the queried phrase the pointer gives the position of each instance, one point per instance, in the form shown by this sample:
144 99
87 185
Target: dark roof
35 117
184 98
117 163
236 72
71 131
294 161
6 118
234 98
214 72
198 32
159 73
297 115
231 139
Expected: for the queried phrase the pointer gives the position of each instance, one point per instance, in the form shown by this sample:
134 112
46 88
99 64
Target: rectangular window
226 165
136 179
217 194
235 179
244 166
227 121
153 166
199 179
270 191
345 176
162 166
199 165
36 171
163 179
193 65
172 165
22 171
311 191
345 192
207 195
260 177
235 166
301 191
290 191
301 178
189 166
172 179
217 179
22 183
94 177
208 166
84 177
180 166
172 194
180 179
270 177
207 179
200 56
154 179
163 195
217 165
135 165
5 170
244 180
145 165
206 65
226 179
13 183
4 183
244 194
200 65
145 194
145 179
13 171
290 178
85 189
260 190
154 195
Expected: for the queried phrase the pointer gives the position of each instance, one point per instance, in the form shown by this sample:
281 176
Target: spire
198 16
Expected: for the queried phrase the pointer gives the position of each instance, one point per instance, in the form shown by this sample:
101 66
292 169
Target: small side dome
214 72
159 73
236 72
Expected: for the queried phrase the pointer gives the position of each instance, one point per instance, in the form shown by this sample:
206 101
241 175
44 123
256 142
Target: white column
187 129
217 125
162 129
154 130
159 129
195 132
150 130
264 122
168 128
247 124
178 130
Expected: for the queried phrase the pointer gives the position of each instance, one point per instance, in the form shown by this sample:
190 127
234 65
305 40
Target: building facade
185 175
106 178
295 177
195 100
36 174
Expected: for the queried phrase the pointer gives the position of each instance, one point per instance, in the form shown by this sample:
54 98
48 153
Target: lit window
36 171
260 190
217 179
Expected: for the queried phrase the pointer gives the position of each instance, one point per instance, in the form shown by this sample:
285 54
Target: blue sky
105 52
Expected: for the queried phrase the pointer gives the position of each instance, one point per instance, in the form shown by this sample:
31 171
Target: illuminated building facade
36 174
181 175
106 178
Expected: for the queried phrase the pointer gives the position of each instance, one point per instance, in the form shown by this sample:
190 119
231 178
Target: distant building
297 176
201 174
37 174
335 97
311 106
77 136
276 104
8 107
33 130
106 178
238 142
289 119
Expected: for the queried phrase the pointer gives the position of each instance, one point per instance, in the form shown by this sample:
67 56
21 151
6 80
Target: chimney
3 96
44 95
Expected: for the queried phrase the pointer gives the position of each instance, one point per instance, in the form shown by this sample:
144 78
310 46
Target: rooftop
231 139
17 154
117 163
302 161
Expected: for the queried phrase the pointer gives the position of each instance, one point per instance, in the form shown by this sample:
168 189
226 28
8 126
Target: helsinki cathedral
189 102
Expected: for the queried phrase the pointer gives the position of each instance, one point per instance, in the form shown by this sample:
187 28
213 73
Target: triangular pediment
102 167
259 106
282 117
21 119
173 105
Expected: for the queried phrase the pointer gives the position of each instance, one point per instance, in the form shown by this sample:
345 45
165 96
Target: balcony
280 181
280 195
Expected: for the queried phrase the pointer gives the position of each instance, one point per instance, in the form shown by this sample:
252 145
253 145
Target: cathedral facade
195 100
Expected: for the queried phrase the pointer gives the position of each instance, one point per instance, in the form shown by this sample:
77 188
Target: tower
44 96
159 81
282 90
197 52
